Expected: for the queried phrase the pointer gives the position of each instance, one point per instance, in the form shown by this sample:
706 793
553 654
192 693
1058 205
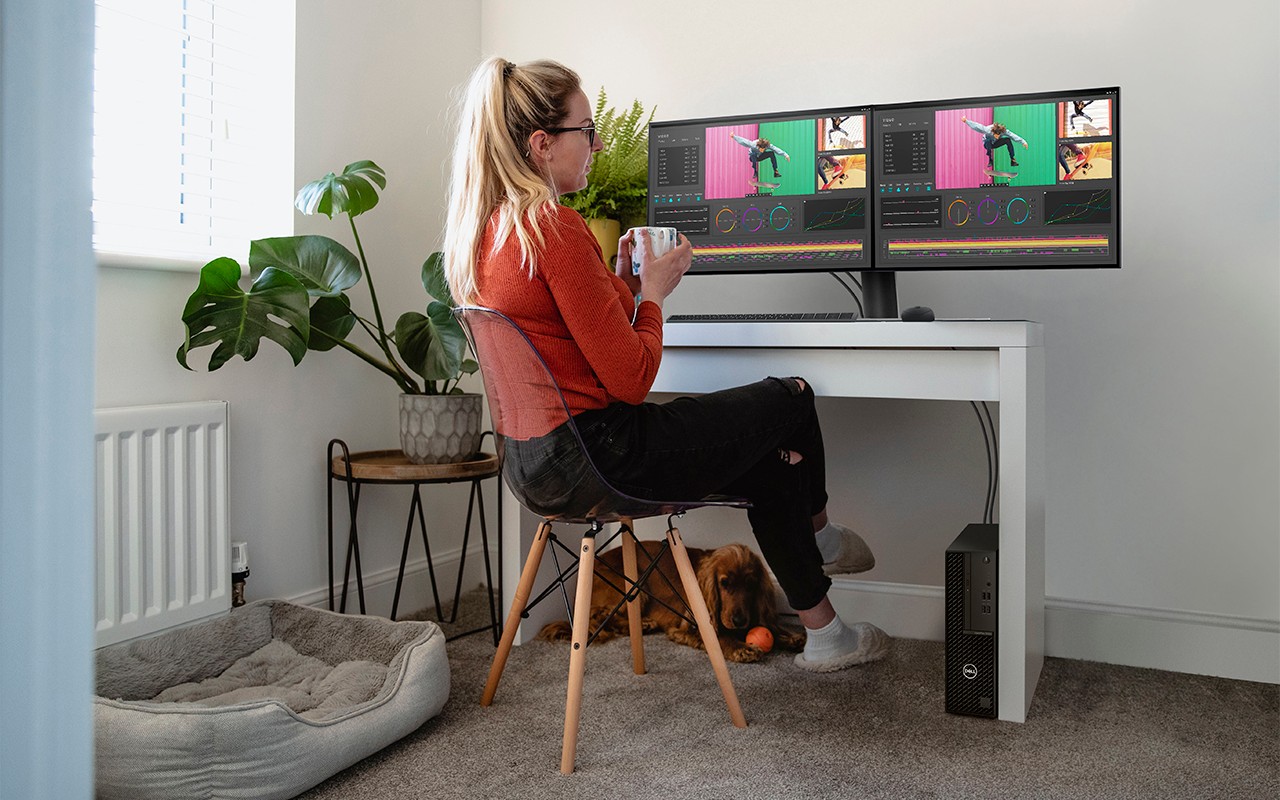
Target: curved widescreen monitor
779 192
1012 181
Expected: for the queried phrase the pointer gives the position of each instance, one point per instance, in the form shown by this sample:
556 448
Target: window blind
192 128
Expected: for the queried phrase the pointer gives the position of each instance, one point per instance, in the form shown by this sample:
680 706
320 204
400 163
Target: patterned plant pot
440 428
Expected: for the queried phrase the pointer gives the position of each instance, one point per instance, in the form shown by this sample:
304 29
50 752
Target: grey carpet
878 731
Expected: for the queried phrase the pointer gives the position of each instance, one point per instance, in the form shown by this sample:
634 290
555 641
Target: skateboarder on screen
996 135
759 150
1071 150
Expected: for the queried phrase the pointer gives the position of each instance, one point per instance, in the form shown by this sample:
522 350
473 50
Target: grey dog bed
265 702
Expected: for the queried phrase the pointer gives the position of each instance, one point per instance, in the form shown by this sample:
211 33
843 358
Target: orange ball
760 637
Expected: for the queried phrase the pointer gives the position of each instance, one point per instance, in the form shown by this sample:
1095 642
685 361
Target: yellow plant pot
607 233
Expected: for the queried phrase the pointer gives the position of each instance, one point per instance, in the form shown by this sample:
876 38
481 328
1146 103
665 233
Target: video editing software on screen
782 192
1027 181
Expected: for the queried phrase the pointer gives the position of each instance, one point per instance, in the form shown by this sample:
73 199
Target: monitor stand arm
879 295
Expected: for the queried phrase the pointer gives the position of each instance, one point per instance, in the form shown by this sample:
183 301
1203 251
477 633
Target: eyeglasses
589 130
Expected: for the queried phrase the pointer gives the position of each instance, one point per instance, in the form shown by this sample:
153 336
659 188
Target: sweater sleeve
597 308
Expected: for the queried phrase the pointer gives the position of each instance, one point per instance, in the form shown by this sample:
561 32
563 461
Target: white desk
945 360
994 361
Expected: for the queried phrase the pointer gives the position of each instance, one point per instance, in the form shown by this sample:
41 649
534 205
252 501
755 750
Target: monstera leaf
433 279
432 345
220 312
350 193
331 321
324 267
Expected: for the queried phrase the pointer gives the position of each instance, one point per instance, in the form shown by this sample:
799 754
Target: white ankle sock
831 640
829 542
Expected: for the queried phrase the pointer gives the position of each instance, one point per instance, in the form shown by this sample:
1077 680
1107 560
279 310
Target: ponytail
502 106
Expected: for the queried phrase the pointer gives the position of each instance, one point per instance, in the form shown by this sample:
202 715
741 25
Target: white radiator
162 508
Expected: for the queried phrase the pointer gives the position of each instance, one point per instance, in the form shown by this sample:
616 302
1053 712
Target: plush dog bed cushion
265 702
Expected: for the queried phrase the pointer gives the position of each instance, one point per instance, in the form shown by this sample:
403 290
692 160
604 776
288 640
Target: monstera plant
297 299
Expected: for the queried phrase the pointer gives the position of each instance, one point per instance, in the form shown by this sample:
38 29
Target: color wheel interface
769 193
1026 181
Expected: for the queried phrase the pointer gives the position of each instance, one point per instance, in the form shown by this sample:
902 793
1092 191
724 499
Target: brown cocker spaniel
734 583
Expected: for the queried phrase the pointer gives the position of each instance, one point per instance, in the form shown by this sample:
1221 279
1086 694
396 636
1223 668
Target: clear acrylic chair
551 473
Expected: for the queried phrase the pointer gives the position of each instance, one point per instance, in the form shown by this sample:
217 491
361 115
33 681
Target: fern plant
618 184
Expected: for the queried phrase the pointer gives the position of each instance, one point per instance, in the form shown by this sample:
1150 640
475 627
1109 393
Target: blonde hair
503 105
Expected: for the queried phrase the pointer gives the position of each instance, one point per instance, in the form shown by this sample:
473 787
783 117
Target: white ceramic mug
661 241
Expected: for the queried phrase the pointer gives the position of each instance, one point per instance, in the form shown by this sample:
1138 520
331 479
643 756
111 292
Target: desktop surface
863 333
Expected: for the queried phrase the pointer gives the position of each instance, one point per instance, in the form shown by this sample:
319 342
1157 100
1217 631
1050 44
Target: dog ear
766 607
708 573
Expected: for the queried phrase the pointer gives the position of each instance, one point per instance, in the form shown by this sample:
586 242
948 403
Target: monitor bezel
1004 99
872 110
771 116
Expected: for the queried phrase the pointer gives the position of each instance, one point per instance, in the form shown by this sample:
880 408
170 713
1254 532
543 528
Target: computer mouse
917 314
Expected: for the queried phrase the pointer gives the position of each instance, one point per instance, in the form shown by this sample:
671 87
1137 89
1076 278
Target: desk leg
1021 603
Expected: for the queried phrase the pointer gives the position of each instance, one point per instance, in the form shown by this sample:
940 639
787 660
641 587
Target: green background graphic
799 139
1037 166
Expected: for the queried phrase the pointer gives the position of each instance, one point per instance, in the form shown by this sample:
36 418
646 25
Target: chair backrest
544 461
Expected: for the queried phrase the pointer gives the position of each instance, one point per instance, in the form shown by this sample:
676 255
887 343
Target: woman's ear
540 145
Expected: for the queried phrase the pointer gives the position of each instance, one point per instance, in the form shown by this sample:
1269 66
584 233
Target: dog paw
742 653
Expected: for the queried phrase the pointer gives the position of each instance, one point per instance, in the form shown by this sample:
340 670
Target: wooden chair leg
578 655
525 587
705 627
633 606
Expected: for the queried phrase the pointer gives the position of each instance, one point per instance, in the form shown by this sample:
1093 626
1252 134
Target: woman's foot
836 646
843 551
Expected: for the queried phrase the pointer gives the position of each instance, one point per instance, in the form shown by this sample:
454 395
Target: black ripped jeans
727 442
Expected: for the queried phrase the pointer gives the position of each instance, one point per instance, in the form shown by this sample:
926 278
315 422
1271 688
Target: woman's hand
622 265
661 275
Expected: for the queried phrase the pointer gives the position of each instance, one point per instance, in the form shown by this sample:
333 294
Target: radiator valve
239 572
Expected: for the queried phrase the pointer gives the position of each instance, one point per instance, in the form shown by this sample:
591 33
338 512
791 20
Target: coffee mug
661 240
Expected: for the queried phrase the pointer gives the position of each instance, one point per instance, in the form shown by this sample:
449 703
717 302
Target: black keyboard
798 316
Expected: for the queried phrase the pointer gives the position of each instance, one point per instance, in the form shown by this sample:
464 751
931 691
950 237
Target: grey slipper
854 556
873 645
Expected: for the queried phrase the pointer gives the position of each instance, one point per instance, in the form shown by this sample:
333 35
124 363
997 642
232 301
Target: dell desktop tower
972 595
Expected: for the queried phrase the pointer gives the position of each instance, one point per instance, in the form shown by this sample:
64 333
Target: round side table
392 467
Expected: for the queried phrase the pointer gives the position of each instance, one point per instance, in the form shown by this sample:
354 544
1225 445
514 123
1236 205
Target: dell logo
970 671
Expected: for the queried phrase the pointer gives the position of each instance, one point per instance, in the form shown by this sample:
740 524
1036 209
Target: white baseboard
415 593
1239 648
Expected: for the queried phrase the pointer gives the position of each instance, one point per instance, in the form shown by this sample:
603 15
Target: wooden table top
394 465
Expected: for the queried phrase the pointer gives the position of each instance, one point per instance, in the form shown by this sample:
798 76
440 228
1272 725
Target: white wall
1163 398
372 82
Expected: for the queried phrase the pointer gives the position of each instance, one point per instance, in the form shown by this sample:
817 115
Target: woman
526 137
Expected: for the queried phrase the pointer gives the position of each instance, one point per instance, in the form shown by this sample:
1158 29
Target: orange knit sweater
577 313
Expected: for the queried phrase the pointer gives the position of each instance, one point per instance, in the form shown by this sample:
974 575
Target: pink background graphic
958 153
728 167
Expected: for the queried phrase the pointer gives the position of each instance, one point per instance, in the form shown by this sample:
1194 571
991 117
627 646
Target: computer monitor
778 192
1004 182
888 188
